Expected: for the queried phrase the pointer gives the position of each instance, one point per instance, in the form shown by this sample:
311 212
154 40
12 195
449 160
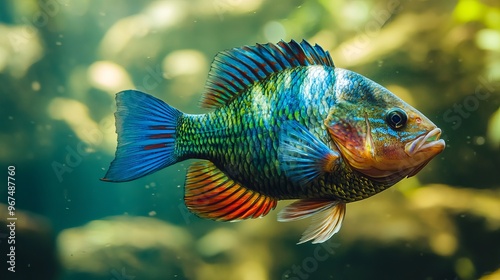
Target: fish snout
429 143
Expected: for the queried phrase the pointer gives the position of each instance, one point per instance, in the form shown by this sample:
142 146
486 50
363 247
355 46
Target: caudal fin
146 128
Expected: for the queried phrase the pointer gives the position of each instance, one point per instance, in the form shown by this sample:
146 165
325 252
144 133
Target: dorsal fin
236 69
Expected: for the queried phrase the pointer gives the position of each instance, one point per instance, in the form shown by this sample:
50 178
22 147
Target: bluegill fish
286 124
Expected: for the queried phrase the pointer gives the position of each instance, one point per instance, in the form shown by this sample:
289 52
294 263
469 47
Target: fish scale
286 124
239 128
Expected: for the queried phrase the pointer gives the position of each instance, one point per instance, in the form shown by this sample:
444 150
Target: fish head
378 134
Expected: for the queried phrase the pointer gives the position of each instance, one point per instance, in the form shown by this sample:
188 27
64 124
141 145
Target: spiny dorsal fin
211 194
234 70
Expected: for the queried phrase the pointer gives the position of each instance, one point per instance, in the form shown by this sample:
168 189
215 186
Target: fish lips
428 144
424 148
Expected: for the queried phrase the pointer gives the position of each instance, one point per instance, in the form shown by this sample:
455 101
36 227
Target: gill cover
352 135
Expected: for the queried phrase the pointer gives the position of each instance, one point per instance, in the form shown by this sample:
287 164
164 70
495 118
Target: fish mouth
429 143
422 150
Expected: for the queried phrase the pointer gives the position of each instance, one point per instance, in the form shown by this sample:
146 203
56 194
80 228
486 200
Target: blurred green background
61 62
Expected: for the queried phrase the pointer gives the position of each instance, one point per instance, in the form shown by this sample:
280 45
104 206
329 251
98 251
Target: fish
284 123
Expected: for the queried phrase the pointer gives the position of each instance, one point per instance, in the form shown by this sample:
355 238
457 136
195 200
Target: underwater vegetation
63 61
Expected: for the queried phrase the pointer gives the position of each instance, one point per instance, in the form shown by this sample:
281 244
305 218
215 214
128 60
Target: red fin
211 194
327 217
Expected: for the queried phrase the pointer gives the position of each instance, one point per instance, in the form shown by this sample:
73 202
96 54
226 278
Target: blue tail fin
146 128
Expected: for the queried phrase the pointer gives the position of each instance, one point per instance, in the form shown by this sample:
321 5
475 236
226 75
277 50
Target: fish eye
396 118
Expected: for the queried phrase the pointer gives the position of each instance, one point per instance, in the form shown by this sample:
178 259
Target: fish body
286 124
243 138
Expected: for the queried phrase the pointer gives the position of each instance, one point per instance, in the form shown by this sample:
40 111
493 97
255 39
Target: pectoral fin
302 155
327 217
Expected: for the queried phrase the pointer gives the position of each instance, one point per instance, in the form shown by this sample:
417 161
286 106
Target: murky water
61 63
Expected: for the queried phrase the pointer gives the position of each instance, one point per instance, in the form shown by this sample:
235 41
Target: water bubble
479 140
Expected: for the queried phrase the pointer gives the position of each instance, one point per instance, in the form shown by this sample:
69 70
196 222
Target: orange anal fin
327 217
211 194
